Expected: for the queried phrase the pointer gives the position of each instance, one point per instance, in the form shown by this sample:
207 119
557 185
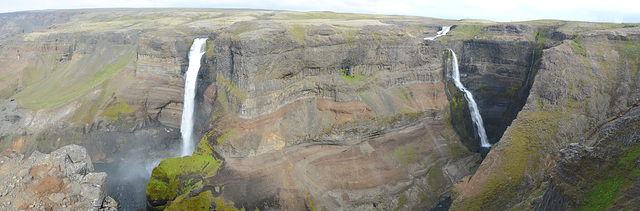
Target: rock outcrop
11 117
62 180
602 176
325 110
585 76
270 85
372 97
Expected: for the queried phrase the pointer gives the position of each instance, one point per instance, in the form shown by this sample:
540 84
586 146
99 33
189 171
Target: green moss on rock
120 107
222 205
575 44
525 137
176 176
200 202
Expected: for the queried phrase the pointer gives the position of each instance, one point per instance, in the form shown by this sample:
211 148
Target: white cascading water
186 126
473 107
442 32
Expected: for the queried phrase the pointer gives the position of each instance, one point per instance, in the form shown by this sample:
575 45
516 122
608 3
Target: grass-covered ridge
180 20
75 78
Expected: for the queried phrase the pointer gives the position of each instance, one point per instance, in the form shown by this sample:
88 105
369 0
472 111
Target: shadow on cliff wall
500 75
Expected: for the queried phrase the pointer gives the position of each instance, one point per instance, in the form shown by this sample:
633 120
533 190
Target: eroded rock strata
314 110
584 78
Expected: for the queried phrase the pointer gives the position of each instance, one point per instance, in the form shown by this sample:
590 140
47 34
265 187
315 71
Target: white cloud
497 10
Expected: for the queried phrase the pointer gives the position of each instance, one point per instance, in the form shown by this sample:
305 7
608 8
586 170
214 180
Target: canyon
322 110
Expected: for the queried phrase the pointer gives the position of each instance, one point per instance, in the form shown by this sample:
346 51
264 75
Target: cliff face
325 110
601 176
98 80
496 66
279 90
294 103
585 75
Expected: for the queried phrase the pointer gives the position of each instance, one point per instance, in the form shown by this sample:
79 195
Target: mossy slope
175 177
575 88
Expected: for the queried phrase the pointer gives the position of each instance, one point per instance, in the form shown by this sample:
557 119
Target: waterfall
186 126
442 32
473 107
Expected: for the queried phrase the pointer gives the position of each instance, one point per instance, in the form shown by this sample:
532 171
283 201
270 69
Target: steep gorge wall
257 77
365 97
118 93
580 82
288 114
348 112
375 91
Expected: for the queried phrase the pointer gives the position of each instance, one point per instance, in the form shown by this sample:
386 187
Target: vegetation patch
610 183
513 90
4 77
360 82
298 33
402 201
575 44
631 51
458 107
337 16
355 80
602 193
224 206
230 135
230 97
526 135
464 32
350 34
404 94
435 177
200 202
311 205
8 91
404 154
73 80
120 107
209 48
176 176
242 28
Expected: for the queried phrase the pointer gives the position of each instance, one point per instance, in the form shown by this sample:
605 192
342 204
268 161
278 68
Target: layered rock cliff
587 73
114 87
314 110
273 84
312 99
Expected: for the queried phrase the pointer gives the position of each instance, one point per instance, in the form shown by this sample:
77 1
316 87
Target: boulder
62 180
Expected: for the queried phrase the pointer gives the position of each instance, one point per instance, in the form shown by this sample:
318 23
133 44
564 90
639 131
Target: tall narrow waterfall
473 107
186 126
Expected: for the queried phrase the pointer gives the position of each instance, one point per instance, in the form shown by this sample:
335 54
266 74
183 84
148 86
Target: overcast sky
625 11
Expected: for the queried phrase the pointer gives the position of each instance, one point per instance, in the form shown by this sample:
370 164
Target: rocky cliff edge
62 180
